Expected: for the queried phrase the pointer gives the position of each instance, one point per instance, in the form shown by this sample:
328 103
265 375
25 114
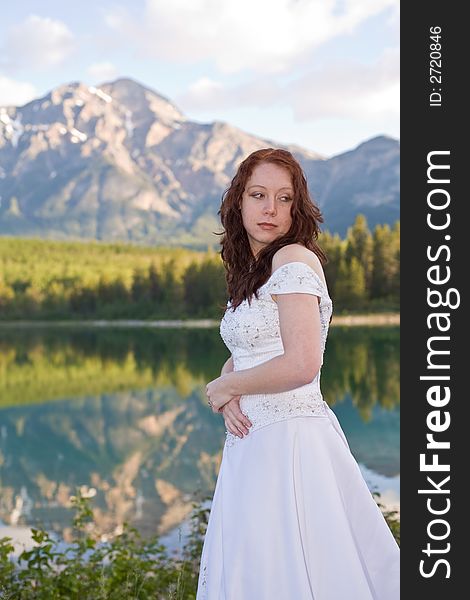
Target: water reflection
124 411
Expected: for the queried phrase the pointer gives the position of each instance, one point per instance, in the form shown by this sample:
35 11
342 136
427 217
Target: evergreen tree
359 244
395 282
83 301
333 246
192 289
385 263
139 286
204 289
172 290
351 284
155 284
6 295
115 280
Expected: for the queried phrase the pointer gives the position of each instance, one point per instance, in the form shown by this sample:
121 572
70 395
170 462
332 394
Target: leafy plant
126 567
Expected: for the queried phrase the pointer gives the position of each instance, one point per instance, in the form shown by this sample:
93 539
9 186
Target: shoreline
391 319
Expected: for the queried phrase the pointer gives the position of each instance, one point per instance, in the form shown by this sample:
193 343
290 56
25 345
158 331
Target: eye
285 198
257 195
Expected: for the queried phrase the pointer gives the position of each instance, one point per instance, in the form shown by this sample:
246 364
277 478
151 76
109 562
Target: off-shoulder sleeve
296 278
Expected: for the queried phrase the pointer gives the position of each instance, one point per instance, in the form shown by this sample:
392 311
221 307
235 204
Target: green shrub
127 567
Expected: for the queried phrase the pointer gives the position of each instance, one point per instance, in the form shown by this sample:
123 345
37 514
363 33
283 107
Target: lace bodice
252 334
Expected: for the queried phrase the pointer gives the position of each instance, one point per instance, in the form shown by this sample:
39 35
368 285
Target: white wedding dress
291 517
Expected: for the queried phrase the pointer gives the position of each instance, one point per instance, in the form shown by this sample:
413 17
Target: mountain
364 180
121 162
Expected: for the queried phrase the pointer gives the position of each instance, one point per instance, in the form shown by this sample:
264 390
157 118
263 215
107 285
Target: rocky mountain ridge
120 162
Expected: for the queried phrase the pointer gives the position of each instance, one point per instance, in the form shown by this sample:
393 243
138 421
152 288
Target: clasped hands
221 400
218 392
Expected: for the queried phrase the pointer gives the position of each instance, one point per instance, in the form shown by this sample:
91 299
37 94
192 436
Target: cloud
236 35
103 71
16 93
341 90
349 90
37 42
207 94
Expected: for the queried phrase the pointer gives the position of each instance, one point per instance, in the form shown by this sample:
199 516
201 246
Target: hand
218 392
235 421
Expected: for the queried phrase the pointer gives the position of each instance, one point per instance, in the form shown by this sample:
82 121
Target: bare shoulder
298 253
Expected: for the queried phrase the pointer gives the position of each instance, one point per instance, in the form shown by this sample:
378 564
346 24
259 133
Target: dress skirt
293 519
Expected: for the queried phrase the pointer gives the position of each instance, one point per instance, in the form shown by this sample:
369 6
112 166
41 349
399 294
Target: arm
228 366
235 421
299 319
300 330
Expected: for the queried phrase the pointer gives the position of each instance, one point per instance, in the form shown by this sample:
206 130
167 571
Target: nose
269 206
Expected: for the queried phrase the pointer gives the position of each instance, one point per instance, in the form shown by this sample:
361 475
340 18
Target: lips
267 225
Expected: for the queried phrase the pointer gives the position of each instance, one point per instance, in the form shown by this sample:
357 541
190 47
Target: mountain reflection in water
124 412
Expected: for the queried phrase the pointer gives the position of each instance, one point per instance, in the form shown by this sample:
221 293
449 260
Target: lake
124 411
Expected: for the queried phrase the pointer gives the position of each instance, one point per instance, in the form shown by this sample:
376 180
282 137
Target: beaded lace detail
202 591
252 334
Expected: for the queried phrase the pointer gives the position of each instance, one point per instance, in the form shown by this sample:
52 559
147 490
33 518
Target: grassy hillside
42 279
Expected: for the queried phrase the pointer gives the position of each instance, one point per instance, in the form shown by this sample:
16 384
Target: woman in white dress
291 517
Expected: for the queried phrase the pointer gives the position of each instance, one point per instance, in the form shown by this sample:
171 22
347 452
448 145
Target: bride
291 517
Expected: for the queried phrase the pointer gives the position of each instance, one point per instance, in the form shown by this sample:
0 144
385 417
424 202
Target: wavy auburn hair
245 274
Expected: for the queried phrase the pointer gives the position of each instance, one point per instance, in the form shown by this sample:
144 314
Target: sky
322 74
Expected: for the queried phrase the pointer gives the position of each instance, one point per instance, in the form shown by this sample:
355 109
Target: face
266 205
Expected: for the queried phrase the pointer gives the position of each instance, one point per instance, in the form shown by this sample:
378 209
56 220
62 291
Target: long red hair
244 275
